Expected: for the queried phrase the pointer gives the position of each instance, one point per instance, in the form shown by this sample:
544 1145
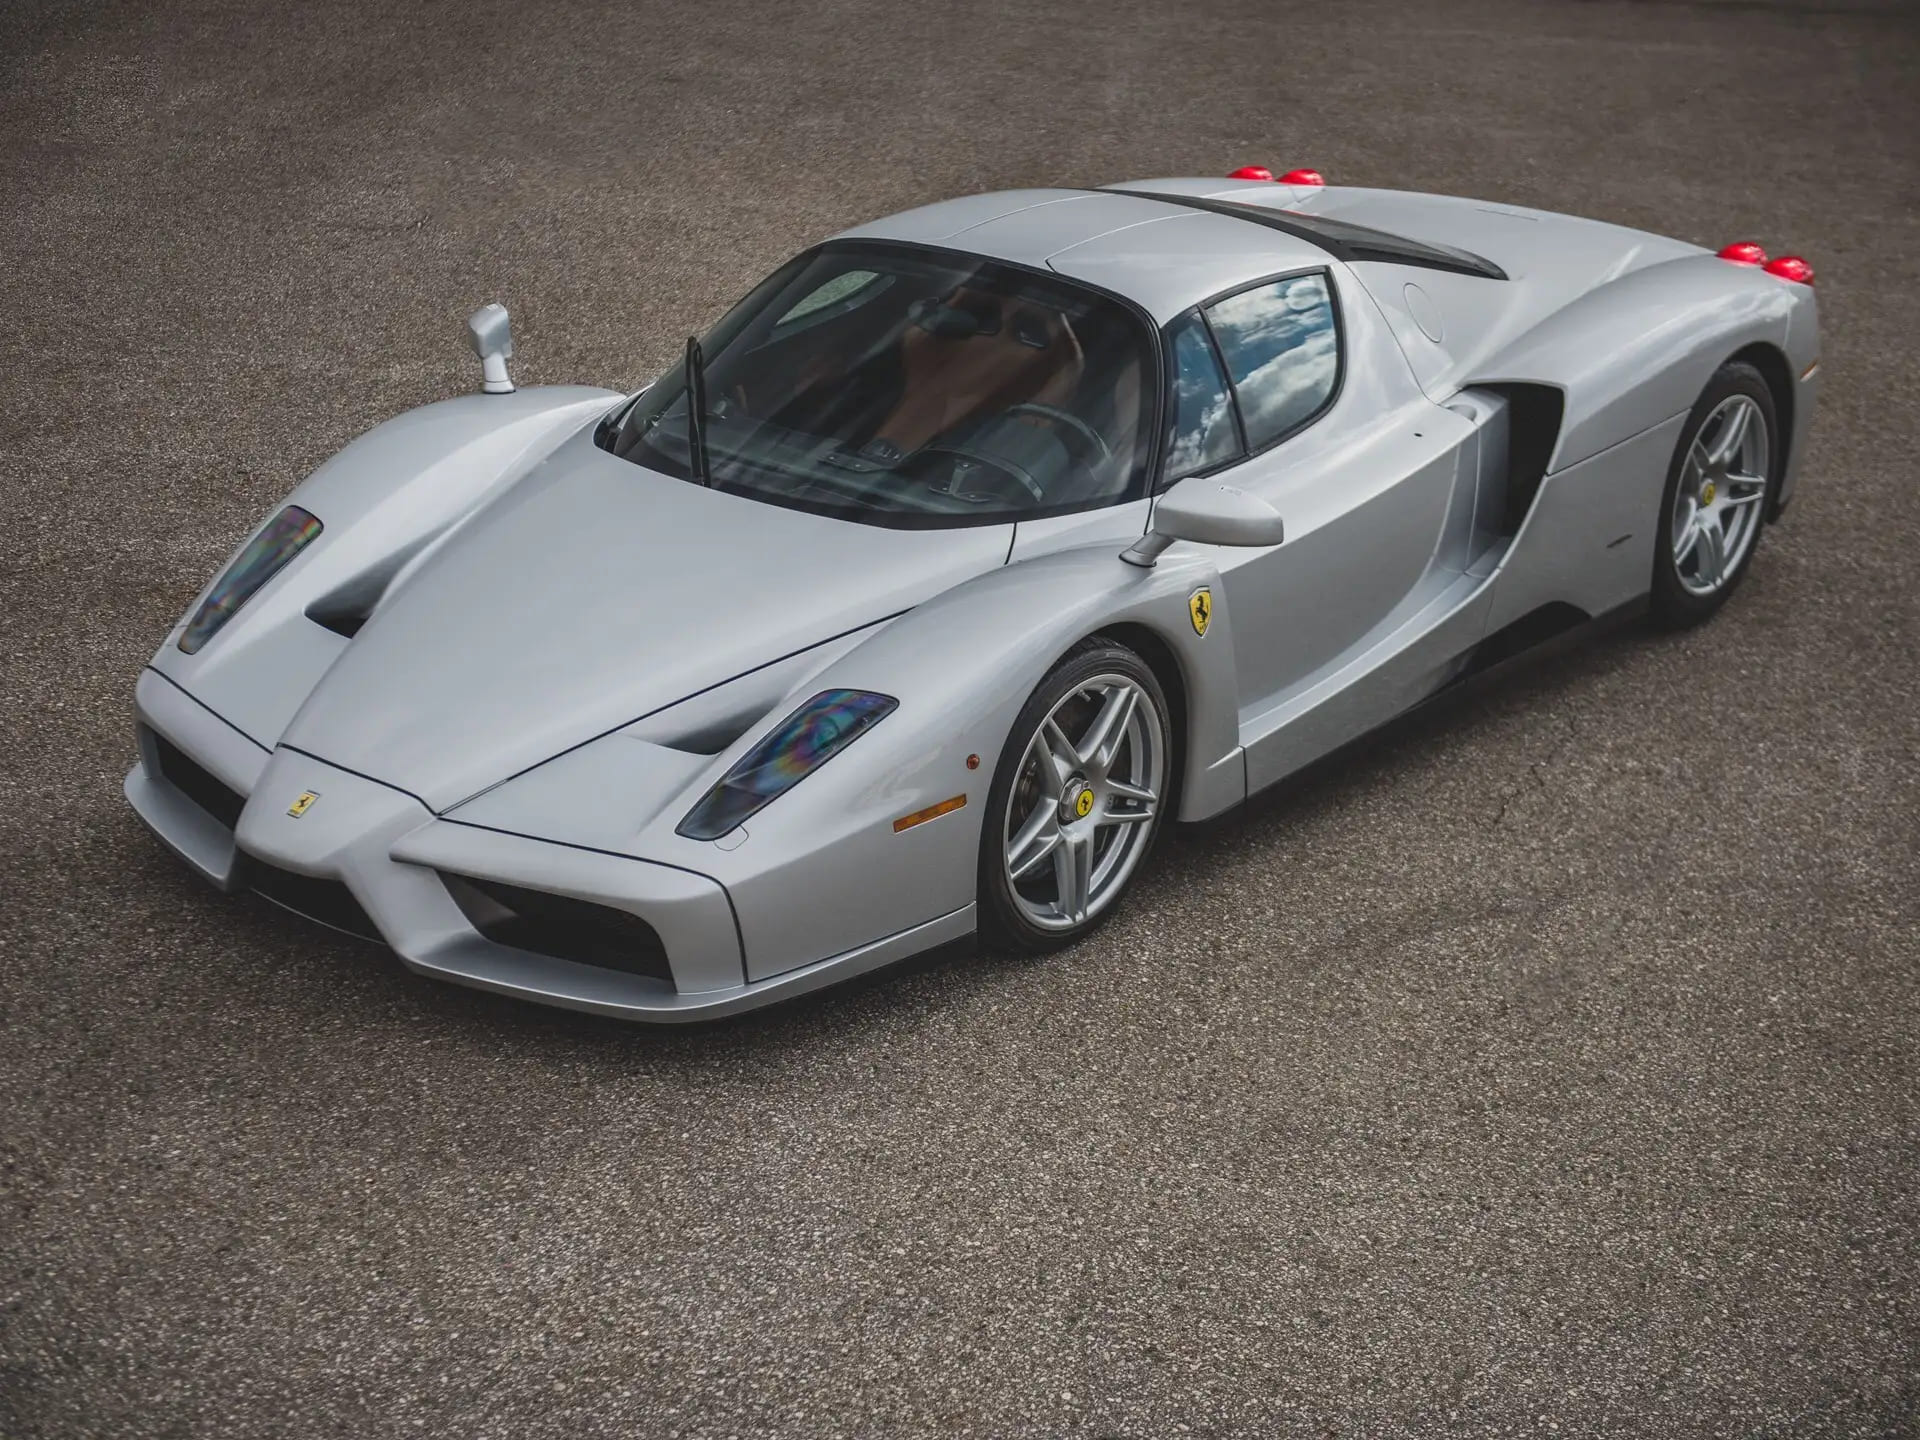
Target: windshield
906 387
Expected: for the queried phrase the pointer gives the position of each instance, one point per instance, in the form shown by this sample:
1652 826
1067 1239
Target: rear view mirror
491 334
1209 513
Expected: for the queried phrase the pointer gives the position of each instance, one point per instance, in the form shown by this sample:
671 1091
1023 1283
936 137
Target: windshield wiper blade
696 388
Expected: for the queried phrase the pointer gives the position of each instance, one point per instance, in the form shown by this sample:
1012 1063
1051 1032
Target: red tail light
1251 172
1302 177
1791 267
1744 252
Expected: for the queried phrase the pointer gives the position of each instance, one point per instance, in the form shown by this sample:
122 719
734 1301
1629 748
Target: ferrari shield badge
303 804
1200 607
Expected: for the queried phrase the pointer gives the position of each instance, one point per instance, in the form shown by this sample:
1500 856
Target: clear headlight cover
284 537
792 750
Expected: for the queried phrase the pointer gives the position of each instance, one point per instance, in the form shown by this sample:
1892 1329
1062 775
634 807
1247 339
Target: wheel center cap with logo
1707 493
1077 802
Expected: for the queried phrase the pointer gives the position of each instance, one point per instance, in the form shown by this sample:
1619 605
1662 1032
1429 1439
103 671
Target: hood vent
345 608
708 737
346 621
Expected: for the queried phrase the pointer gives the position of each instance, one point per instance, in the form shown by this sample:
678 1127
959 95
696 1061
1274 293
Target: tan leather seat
950 380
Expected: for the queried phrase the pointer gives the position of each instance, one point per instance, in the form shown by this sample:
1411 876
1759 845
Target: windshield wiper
696 388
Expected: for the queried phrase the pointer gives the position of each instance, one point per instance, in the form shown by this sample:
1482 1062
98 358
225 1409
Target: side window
843 292
1282 350
1203 433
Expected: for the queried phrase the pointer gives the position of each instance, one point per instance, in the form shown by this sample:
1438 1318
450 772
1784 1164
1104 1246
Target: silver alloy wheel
1081 809
1716 508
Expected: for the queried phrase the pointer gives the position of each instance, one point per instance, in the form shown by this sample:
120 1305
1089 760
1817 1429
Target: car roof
1163 255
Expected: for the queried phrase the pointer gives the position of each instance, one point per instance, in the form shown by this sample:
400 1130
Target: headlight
792 750
284 537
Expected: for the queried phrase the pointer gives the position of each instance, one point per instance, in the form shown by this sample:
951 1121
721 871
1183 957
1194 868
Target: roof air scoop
491 334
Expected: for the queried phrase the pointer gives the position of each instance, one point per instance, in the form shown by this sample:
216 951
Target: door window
1282 351
1203 432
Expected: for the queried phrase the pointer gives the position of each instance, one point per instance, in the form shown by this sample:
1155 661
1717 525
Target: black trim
560 926
1226 375
1341 239
1528 640
326 902
1538 627
343 620
1534 413
196 782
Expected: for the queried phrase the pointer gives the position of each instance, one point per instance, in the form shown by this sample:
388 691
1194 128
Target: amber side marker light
932 812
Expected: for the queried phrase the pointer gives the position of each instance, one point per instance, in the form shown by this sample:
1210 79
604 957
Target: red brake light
1791 267
1251 172
1302 177
1744 252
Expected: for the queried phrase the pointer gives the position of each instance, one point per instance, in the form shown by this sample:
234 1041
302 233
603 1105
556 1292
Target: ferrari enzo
968 549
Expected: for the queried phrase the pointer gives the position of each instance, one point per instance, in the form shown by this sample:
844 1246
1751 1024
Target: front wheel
1076 800
1717 487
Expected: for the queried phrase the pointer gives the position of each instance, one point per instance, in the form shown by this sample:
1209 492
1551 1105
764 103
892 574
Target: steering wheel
1090 451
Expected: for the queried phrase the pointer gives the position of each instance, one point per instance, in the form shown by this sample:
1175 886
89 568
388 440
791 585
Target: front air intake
328 902
560 926
194 781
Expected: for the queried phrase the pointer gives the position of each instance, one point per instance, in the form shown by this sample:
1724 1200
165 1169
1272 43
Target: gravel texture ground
1547 1067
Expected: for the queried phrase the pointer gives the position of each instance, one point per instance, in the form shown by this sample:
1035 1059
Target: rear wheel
1716 497
1076 800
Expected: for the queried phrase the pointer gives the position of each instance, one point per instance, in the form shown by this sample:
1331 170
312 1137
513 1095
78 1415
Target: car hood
590 594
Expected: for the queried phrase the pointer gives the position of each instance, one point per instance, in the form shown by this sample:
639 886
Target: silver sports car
966 550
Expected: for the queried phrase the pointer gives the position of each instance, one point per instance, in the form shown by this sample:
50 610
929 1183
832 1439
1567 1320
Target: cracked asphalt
1547 1066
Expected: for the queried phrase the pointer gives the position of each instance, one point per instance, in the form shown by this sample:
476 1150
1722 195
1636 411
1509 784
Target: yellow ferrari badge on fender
1200 607
303 804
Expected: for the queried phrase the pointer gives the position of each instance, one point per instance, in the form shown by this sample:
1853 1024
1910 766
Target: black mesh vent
192 781
561 927
327 901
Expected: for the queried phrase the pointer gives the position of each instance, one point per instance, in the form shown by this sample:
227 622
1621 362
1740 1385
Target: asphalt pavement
1546 1067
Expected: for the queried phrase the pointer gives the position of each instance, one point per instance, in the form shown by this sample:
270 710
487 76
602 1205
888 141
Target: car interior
908 385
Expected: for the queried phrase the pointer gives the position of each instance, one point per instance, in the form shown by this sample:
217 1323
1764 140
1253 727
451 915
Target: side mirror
491 334
1210 513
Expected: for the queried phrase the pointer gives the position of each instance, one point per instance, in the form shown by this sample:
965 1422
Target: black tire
1674 605
1003 922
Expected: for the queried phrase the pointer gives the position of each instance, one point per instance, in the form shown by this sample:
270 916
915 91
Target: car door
1293 389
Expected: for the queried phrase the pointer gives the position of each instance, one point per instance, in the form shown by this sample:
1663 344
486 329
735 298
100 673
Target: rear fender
1640 349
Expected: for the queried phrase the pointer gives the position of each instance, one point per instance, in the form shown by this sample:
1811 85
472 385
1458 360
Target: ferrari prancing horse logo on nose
303 804
1200 607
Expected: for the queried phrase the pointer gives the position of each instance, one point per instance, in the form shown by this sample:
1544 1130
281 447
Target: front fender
822 870
382 501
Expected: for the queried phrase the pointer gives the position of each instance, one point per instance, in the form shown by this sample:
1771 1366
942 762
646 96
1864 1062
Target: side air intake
1534 414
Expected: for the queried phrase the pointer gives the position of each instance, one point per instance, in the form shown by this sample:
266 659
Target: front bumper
364 856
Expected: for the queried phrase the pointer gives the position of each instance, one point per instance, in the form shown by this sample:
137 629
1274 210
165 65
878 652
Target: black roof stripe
1341 239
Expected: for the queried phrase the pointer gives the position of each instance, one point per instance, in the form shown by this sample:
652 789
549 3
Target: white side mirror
491 334
1210 513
